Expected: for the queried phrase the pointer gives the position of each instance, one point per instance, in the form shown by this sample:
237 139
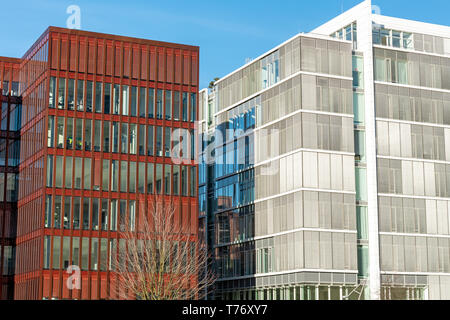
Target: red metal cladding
99 113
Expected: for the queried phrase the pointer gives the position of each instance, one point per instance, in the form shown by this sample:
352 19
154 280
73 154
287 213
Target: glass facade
298 168
279 185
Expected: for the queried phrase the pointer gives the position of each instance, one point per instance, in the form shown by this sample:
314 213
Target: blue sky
227 31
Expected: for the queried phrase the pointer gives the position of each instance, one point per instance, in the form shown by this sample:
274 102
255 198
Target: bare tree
163 260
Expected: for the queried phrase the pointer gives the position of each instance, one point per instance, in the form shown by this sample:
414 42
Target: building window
94 254
68 176
142 102
86 213
105 175
159 141
167 141
396 39
150 178
56 247
133 107
132 179
89 89
193 106
184 181
142 139
67 212
49 171
124 138
185 107
151 102
168 104
98 97
105 135
167 179
115 137
176 106
358 80
159 104
116 99
158 178
125 100
105 215
115 176
123 176
59 172
133 138
66 252
176 180
48 211
61 93
77 173
57 213
69 139
51 132
80 95
84 254
87 173
71 94
79 134
88 135
107 98
52 93
47 248
150 141
131 215
141 177
360 146
76 213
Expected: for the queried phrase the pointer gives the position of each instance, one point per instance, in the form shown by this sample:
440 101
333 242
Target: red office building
98 117
9 161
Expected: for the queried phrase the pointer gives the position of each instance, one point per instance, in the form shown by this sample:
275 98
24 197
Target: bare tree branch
162 260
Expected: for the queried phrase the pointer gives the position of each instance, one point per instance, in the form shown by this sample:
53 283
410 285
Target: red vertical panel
46 287
112 287
135 63
65 288
91 57
126 62
117 61
85 288
161 66
82 60
144 65
64 49
186 62
100 58
76 293
55 289
169 67
94 289
73 55
176 216
178 68
194 68
55 53
152 64
103 287
109 60
185 215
